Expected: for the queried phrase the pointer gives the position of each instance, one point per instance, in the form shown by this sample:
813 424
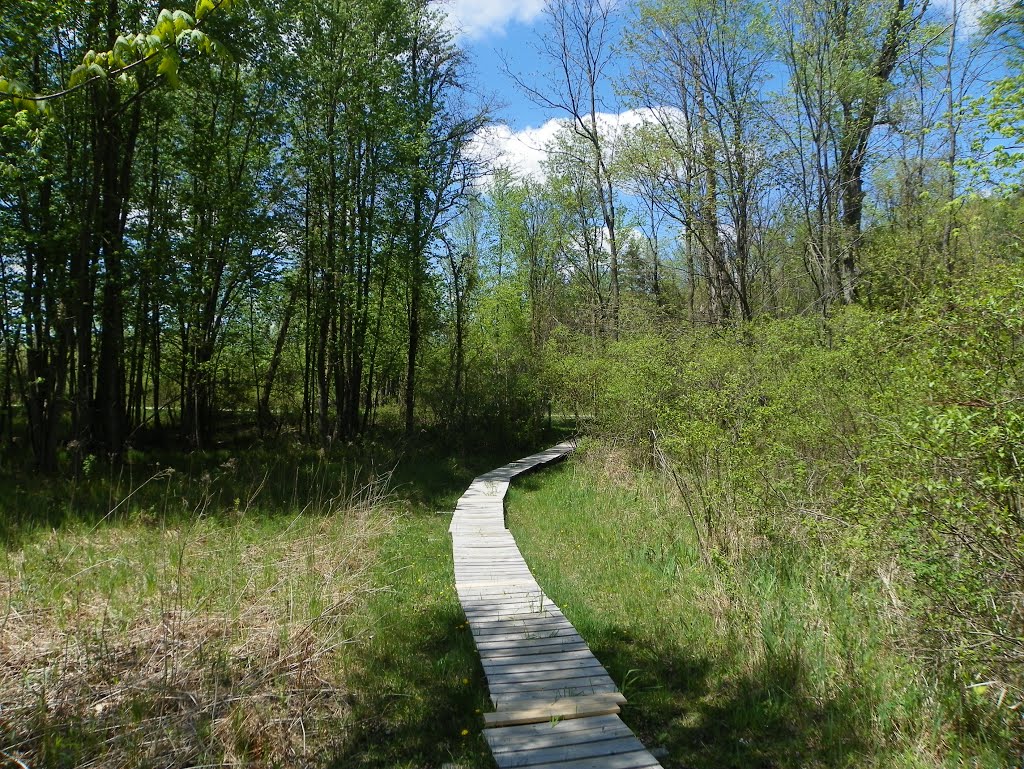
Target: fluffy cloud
524 151
479 18
521 151
970 10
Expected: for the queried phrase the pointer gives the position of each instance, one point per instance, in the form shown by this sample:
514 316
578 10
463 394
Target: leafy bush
942 478
888 442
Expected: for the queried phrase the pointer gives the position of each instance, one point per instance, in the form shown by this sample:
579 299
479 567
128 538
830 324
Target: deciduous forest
271 296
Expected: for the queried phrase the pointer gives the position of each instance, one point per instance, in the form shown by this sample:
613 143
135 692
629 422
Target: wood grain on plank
548 734
562 753
566 707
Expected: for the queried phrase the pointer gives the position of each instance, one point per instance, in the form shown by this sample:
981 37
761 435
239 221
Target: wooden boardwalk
555 705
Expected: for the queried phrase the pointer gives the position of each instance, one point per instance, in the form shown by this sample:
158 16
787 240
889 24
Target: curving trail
555 705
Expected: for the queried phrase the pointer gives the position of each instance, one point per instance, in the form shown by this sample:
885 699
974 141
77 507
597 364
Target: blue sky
501 35
495 30
497 33
489 55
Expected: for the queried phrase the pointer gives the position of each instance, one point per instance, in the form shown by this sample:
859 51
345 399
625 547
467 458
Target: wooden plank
503 586
550 733
555 679
571 680
533 602
592 675
480 542
501 625
514 585
500 592
499 597
556 688
527 674
563 753
489 569
638 759
513 700
536 659
498 610
493 570
569 707
507 615
533 648
536 596
549 661
523 632
528 648
508 647
529 634
487 627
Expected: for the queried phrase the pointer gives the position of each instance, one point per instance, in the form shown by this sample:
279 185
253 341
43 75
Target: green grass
418 688
262 606
205 640
783 658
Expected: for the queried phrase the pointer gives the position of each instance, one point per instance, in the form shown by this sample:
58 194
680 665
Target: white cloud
520 151
970 11
525 151
480 18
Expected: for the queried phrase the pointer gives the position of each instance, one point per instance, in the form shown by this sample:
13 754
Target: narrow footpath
555 705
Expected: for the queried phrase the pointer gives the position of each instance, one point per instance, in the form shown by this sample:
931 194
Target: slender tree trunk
414 338
275 359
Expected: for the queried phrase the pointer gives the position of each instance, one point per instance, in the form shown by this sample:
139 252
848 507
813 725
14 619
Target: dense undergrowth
789 656
867 464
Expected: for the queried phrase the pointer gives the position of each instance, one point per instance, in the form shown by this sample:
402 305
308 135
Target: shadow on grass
704 717
264 477
418 694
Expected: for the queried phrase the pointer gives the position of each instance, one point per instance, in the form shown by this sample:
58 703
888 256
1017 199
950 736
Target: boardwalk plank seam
556 704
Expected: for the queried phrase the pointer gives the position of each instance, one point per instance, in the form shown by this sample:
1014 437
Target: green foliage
890 439
1002 108
942 477
175 32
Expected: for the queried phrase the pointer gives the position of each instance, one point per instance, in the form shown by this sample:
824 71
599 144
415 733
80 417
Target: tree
577 47
440 170
842 57
704 65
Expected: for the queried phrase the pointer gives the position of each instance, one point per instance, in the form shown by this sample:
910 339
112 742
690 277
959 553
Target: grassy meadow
785 657
266 606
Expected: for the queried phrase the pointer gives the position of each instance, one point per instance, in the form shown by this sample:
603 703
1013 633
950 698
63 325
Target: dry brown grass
228 657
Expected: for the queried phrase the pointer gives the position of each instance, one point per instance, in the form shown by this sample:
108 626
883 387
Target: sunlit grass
211 636
784 657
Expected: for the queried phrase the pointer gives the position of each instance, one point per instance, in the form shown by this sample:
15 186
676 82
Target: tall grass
195 621
275 605
779 652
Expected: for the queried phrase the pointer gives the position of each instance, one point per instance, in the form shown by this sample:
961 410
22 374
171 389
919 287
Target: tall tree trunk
275 359
415 290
